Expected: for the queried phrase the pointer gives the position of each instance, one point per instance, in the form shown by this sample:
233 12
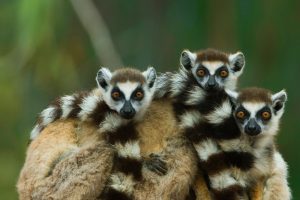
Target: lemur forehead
253 107
212 55
127 74
255 95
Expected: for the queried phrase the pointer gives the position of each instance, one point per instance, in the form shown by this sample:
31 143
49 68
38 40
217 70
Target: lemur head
257 111
127 91
212 69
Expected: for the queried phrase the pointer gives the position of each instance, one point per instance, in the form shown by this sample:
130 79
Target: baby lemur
253 156
119 103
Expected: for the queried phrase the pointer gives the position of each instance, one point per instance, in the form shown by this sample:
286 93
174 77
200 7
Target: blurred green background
53 47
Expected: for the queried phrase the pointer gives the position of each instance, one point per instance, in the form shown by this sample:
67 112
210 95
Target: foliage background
46 51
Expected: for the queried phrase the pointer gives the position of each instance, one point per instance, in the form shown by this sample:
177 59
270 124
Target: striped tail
81 105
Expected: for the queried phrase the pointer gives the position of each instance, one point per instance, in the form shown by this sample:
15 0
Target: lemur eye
201 72
139 95
266 115
240 115
116 95
223 73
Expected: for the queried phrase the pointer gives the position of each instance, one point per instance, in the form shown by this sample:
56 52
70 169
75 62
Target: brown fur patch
212 55
255 95
127 74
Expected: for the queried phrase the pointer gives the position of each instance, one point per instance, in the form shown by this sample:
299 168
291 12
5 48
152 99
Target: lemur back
116 107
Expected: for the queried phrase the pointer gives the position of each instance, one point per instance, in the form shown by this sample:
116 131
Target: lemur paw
155 164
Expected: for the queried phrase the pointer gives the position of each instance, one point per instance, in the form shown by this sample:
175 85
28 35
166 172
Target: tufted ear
150 75
278 101
237 62
188 59
233 95
103 77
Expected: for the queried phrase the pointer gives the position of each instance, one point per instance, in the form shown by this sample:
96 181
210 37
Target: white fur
195 96
88 106
276 186
47 115
129 149
122 182
253 107
233 58
232 94
66 105
192 57
212 66
222 180
127 88
35 132
178 82
220 113
206 148
104 74
190 119
111 123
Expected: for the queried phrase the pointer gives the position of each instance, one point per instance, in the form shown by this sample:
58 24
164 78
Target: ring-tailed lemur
205 113
257 113
119 103
200 102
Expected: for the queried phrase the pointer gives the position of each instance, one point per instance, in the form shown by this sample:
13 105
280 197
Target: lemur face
214 70
257 111
127 91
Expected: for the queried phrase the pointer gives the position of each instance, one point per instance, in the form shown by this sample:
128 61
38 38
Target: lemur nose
252 128
127 111
211 82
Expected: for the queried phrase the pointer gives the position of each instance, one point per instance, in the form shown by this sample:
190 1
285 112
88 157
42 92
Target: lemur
204 111
202 106
253 156
124 97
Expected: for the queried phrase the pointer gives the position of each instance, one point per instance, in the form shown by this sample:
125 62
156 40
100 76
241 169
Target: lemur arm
276 185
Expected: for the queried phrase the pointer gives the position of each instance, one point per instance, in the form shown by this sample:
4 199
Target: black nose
211 83
127 111
252 128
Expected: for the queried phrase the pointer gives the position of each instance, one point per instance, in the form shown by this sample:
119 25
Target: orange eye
201 72
240 114
115 95
139 95
223 73
266 115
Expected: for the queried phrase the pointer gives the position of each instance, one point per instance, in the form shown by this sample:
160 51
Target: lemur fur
125 96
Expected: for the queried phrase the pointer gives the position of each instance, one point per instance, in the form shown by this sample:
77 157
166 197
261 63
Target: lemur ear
237 62
103 77
150 75
278 101
233 95
188 59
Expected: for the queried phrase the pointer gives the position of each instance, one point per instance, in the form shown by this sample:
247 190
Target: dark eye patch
134 96
116 89
264 109
242 109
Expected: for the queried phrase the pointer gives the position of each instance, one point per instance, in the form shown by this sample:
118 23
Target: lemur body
125 96
204 111
203 108
257 113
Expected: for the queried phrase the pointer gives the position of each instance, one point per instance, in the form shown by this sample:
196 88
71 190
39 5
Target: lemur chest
158 124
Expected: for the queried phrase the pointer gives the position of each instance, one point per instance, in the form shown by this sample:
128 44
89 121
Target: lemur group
230 133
